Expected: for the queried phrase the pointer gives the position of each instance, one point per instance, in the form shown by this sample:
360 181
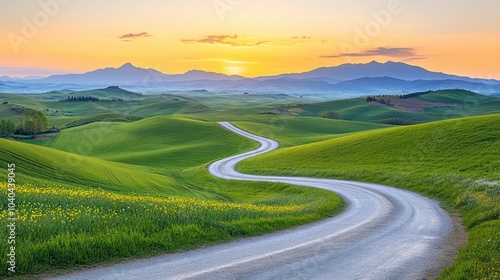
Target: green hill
43 165
438 105
291 131
462 147
455 161
165 143
111 92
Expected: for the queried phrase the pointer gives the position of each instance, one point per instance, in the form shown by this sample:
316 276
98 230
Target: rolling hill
455 161
432 106
166 143
460 147
40 165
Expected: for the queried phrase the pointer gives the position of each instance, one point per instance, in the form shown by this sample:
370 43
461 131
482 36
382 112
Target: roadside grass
66 228
454 161
77 210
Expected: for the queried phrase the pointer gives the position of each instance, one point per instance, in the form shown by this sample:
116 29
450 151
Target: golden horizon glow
249 38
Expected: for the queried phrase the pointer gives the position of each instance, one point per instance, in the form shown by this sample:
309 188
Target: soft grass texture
64 228
76 207
292 131
167 143
103 118
455 161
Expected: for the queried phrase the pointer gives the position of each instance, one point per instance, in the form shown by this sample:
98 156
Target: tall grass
61 228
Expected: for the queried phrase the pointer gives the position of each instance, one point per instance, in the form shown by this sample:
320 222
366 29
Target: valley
126 155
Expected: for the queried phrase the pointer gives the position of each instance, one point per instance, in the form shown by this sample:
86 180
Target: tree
7 127
331 115
34 122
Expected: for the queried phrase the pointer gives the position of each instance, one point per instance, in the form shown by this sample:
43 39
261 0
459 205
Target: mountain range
346 80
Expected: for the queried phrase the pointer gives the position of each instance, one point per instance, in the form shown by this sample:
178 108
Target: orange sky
249 38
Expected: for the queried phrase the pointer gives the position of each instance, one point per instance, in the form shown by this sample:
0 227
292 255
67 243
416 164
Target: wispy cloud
132 36
229 40
403 53
243 41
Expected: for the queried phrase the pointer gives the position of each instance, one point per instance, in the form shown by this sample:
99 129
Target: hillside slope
462 147
455 161
35 164
433 106
167 143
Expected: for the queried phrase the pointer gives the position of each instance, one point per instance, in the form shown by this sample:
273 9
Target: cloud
403 53
229 40
243 41
132 36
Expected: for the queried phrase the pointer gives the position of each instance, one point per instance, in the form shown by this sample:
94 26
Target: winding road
385 233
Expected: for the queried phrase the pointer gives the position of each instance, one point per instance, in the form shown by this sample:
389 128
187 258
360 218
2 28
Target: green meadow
147 179
127 178
454 161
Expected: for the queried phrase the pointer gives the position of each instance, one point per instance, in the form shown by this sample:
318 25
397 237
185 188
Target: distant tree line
87 99
378 98
416 94
81 98
381 99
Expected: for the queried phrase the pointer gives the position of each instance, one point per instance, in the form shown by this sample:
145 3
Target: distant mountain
129 74
347 80
375 69
389 85
126 74
196 75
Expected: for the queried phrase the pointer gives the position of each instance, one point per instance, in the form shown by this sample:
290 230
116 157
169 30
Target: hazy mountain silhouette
374 69
126 74
339 81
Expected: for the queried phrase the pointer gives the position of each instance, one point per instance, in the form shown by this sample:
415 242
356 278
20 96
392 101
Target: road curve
385 233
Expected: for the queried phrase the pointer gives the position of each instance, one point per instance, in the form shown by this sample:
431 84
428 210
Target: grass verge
65 228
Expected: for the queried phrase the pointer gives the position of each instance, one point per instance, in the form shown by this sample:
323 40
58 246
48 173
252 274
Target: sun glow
82 36
234 70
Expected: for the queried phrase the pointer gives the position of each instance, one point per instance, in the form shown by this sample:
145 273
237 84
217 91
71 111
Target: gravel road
385 233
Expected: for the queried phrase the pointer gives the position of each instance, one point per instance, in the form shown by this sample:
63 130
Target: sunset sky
247 37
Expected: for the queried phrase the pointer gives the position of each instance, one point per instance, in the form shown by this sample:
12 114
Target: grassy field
150 153
167 142
41 165
449 104
63 228
153 190
454 161
292 131
244 107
